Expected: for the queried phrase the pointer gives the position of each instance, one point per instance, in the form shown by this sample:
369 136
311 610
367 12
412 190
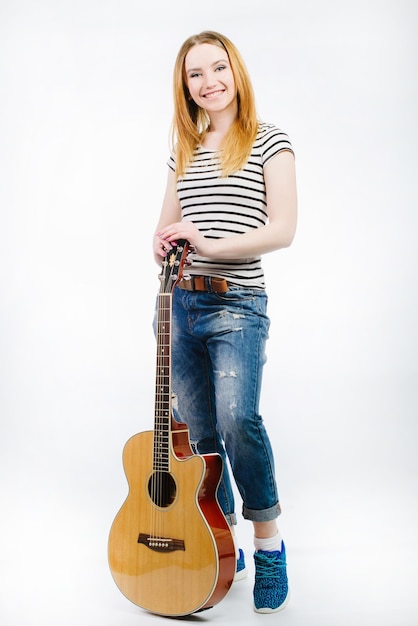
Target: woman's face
210 79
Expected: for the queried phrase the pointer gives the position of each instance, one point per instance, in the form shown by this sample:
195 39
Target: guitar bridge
161 544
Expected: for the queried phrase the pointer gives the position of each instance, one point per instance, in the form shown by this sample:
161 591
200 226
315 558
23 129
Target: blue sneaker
271 592
241 571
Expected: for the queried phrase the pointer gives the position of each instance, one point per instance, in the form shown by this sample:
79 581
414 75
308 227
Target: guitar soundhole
162 489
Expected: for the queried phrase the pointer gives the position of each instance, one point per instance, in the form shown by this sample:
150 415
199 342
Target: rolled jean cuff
231 518
265 515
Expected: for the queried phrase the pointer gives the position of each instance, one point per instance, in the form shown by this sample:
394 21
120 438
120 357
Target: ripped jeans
218 353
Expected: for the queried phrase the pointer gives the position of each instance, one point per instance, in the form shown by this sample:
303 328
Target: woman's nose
210 80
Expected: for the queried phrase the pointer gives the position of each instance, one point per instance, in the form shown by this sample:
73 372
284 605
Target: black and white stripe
223 207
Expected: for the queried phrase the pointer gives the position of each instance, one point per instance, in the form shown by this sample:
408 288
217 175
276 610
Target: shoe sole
240 575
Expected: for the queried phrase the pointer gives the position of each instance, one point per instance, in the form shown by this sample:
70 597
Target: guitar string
157 409
162 426
162 443
158 446
157 436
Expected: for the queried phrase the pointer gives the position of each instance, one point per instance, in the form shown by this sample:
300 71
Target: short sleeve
273 141
172 162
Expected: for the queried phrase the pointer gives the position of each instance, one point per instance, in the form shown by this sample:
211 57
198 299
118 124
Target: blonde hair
190 122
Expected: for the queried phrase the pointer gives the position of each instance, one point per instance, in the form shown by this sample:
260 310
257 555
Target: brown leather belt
203 283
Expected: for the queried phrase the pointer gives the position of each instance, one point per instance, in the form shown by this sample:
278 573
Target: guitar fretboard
162 417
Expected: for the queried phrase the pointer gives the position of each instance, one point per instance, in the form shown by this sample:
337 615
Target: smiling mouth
214 94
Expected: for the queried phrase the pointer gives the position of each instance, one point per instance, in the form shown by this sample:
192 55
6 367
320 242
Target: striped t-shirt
226 206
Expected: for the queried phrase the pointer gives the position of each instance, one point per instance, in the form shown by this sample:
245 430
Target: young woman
231 193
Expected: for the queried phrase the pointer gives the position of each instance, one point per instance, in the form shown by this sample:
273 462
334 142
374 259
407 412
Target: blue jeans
218 353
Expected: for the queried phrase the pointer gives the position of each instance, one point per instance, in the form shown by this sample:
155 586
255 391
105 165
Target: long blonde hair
190 122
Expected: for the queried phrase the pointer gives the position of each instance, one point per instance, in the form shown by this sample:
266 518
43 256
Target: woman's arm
280 179
170 213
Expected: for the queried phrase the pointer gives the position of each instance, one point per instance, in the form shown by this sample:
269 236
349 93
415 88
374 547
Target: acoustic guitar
170 547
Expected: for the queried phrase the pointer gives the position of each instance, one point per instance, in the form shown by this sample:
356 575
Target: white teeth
213 94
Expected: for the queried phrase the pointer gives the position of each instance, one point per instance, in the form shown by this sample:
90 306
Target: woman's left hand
188 231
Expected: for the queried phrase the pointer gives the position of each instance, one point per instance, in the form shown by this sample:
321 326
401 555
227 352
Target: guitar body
199 571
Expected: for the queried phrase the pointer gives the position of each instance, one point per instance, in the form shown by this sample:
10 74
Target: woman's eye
220 67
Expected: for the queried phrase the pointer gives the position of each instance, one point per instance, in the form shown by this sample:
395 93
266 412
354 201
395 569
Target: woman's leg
237 355
194 399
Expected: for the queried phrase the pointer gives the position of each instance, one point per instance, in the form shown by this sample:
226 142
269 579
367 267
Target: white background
85 111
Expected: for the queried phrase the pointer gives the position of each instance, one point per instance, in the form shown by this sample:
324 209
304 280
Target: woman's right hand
161 248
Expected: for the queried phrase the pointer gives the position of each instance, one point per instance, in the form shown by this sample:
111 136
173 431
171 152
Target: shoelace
268 568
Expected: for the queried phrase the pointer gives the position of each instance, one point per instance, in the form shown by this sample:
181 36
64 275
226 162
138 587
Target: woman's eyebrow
196 69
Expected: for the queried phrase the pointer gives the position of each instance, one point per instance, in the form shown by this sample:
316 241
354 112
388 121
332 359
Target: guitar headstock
172 266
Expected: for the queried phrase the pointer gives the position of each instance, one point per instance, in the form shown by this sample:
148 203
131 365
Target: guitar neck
162 414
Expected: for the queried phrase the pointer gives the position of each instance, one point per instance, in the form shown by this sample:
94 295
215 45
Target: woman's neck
219 127
217 131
